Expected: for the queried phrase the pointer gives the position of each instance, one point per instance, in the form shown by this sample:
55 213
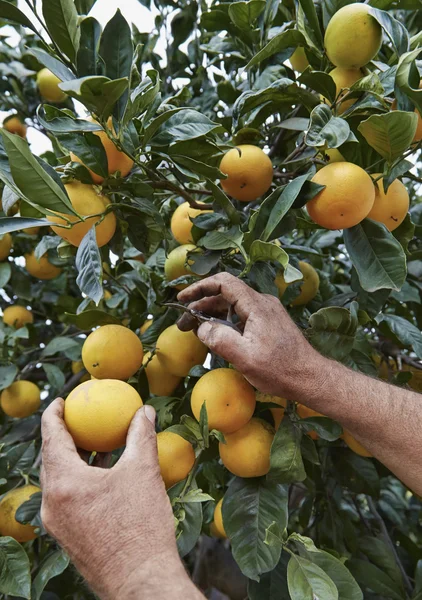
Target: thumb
141 440
223 340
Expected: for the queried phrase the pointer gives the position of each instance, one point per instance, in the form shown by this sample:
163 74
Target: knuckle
58 494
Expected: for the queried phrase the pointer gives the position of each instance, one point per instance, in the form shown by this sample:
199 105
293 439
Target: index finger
58 448
233 290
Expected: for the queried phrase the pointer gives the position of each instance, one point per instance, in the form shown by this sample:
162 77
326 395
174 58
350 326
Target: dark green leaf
69 346
250 506
221 199
55 376
395 30
7 375
286 39
309 10
287 196
87 59
390 134
408 334
8 224
243 14
264 251
29 509
326 129
54 65
326 428
5 272
272 585
307 580
89 266
332 331
370 576
187 124
286 458
377 256
15 575
52 566
403 77
188 529
222 240
61 19
89 149
321 82
9 12
91 318
98 94
60 121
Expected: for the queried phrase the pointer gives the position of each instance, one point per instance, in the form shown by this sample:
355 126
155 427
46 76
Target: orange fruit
228 397
179 351
15 125
177 264
17 316
176 457
217 526
160 381
98 413
344 78
246 452
355 445
5 245
9 505
181 222
41 268
392 207
249 173
21 399
309 285
48 86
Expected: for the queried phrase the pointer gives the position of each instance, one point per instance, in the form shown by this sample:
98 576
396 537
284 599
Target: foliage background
364 523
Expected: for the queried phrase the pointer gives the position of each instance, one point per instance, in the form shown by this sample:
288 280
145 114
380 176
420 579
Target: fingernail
204 330
150 413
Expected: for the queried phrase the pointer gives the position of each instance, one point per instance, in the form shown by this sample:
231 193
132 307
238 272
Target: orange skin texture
390 208
304 412
181 224
21 399
48 86
308 288
228 397
353 37
117 160
160 381
86 201
176 457
217 526
112 352
176 264
42 268
5 246
249 171
17 316
347 198
8 508
344 78
355 445
98 413
247 450
179 351
15 125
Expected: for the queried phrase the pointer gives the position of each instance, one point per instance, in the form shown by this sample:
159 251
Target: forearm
145 580
385 419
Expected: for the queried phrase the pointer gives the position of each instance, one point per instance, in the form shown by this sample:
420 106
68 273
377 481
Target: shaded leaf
15 576
89 266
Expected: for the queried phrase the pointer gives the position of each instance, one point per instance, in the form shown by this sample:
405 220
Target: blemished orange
347 198
299 60
353 37
117 160
181 223
228 397
177 264
98 414
85 201
180 351
355 445
344 78
48 86
17 316
5 245
392 207
249 173
21 399
15 125
309 285
176 457
9 505
41 268
246 452
217 526
160 381
112 352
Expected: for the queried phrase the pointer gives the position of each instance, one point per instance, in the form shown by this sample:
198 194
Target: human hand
116 524
271 352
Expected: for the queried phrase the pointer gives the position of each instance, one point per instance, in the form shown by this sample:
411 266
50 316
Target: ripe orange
353 37
9 505
181 223
249 171
175 456
86 201
160 381
15 125
344 78
145 326
247 450
5 245
41 268
17 316
347 198
112 352
390 208
217 526
20 399
117 160
355 445
309 285
77 366
228 397
98 413
179 351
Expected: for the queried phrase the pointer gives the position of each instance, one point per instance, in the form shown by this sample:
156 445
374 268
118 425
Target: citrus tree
277 141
